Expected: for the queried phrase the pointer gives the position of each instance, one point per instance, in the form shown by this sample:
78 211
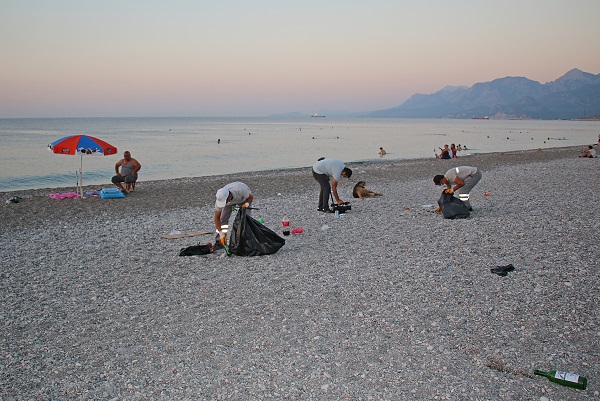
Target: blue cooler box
111 193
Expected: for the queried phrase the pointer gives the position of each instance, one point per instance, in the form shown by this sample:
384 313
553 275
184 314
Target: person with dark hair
323 170
589 152
126 169
233 194
444 153
461 180
453 151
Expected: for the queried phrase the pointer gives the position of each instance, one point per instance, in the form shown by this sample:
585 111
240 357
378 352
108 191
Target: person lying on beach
461 180
590 152
444 153
324 169
129 168
236 193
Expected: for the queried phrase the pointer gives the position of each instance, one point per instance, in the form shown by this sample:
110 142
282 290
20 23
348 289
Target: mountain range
575 95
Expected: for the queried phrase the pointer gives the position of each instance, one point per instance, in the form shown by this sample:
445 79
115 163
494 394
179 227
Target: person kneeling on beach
590 152
128 174
322 171
461 180
236 193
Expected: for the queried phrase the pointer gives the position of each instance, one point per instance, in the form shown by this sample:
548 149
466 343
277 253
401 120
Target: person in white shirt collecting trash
461 180
236 193
323 170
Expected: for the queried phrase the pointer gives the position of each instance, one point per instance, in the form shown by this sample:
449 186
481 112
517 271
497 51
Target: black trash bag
197 250
452 207
251 238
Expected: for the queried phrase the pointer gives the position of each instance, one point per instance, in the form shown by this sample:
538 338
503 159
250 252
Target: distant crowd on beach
449 152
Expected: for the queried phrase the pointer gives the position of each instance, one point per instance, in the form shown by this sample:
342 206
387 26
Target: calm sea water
187 147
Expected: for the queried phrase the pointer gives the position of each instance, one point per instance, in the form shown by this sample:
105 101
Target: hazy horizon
253 59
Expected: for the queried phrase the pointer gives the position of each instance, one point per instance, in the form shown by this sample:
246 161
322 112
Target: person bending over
129 168
235 193
461 180
323 170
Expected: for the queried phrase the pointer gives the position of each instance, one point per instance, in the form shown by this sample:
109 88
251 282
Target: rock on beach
388 302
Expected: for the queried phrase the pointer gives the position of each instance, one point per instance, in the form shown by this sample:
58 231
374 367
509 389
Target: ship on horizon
317 115
481 118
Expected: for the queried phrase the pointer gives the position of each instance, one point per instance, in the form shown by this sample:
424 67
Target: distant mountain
574 95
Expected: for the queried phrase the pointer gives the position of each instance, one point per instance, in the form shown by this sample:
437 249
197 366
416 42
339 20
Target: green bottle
564 378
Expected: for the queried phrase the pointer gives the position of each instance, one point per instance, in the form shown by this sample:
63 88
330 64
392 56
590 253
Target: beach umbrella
83 145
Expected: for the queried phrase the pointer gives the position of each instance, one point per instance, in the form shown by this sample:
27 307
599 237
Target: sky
189 58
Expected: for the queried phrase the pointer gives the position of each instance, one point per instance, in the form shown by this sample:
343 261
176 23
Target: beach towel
251 238
65 195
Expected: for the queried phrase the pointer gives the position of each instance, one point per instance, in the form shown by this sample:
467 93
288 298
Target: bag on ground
251 238
452 207
197 250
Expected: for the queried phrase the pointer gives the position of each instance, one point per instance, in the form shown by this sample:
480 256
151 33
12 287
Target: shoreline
575 149
384 159
160 195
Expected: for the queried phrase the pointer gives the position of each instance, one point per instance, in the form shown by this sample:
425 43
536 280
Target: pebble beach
387 302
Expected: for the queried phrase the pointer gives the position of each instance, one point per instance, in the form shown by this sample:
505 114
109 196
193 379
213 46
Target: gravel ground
389 302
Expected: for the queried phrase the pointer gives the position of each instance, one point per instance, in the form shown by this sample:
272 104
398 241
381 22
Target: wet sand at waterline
388 302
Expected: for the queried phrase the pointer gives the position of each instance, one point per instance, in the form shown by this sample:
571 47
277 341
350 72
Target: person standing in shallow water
461 179
382 152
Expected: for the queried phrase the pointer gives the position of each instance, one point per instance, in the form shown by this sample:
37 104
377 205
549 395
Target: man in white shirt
323 170
235 193
590 152
461 180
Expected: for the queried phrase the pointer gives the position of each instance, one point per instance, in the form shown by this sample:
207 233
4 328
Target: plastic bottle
564 378
285 223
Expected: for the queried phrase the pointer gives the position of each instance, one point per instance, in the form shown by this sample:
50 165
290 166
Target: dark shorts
124 178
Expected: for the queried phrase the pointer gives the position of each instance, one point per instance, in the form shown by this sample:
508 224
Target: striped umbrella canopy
82 145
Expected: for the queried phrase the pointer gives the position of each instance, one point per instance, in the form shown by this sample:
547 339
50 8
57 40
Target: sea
169 148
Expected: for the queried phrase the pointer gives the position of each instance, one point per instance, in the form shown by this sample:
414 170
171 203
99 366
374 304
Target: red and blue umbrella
83 145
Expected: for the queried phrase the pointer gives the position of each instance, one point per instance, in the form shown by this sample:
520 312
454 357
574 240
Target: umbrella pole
81 177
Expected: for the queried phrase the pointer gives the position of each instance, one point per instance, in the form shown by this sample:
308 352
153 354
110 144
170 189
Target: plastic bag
452 207
197 250
251 238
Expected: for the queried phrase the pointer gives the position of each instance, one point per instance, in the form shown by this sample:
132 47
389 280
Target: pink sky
240 58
